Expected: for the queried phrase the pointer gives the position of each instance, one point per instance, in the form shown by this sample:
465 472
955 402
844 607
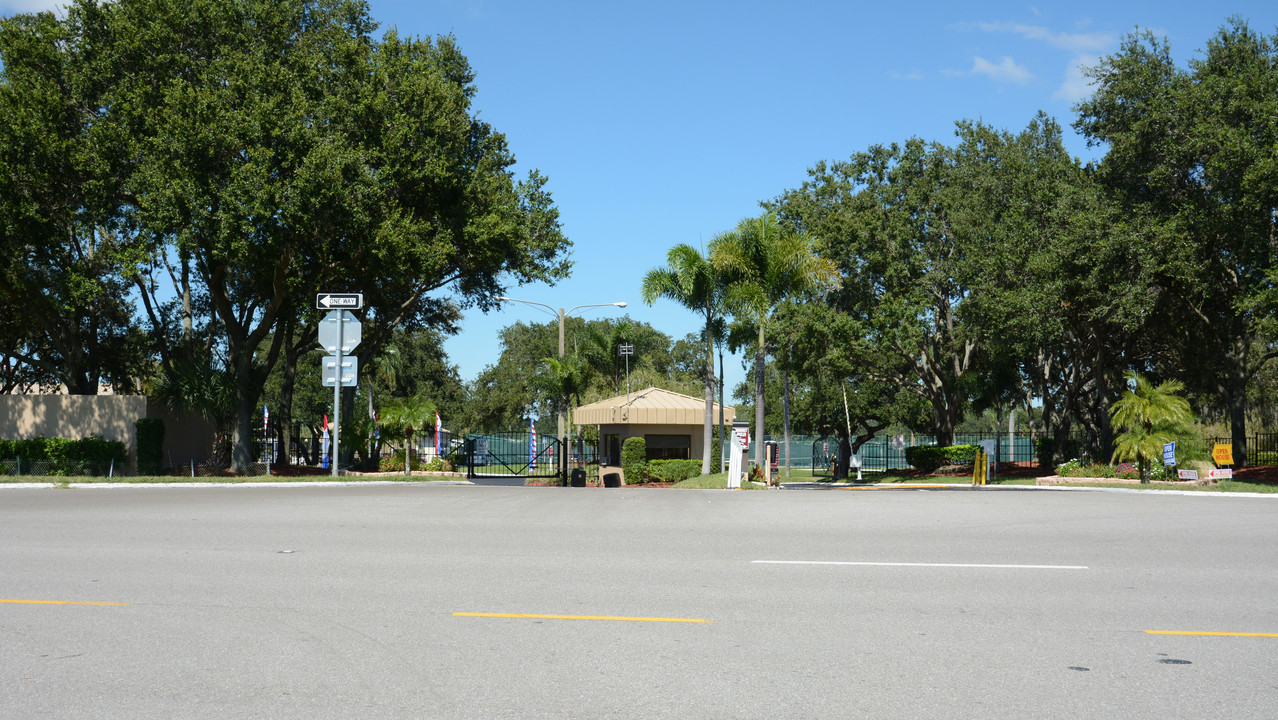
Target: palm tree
1150 416
764 263
403 417
600 349
691 280
564 380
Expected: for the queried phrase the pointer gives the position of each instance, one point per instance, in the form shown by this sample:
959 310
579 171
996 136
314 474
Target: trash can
578 477
612 480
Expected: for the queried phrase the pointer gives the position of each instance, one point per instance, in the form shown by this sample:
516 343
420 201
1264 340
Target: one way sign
339 301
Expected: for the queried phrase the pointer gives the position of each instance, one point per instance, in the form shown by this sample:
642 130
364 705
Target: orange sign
1223 454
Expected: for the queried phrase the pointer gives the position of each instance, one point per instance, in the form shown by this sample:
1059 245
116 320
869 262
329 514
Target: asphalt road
427 601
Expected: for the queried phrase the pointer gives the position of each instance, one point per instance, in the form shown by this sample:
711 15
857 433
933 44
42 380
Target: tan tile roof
651 406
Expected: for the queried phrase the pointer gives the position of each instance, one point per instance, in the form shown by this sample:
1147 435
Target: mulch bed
1267 474
1264 475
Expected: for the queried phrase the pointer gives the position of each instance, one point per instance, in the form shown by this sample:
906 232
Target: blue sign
1169 453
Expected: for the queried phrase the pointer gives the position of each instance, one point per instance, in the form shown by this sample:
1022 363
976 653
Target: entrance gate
514 454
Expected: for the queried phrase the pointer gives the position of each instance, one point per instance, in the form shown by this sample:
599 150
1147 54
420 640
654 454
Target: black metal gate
514 455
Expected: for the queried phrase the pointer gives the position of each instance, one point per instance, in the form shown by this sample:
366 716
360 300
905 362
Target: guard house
670 423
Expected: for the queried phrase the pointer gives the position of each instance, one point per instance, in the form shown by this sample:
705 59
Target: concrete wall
72 417
114 417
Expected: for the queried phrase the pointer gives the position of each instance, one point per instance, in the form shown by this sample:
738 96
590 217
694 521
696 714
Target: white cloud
1076 85
1075 42
1005 70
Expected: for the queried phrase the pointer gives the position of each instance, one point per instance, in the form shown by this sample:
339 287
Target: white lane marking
936 565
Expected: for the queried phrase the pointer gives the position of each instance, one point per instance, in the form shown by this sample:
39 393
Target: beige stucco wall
72 417
114 417
624 431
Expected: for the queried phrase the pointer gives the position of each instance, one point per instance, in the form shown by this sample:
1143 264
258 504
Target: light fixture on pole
560 314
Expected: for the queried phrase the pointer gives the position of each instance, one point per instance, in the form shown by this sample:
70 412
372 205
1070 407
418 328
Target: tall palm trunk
707 434
760 355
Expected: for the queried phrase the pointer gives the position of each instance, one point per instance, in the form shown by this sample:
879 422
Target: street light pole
560 314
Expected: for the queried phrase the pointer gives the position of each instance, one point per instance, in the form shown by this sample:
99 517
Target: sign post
339 335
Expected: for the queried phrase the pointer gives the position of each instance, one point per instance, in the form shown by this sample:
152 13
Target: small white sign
343 301
898 442
1222 474
350 370
1188 474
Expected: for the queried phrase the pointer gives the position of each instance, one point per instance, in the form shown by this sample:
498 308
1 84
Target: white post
739 447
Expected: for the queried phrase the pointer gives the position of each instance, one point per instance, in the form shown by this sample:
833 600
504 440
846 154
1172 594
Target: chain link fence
65 468
62 468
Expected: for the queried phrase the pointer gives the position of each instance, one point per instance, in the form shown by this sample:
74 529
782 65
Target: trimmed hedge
67 457
634 460
150 445
931 457
674 470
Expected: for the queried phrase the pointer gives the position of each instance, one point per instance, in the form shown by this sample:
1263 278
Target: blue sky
660 123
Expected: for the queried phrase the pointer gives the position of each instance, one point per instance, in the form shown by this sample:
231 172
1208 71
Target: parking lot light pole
560 314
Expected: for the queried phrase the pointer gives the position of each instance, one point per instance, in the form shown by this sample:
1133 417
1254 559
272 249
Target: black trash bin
578 477
612 480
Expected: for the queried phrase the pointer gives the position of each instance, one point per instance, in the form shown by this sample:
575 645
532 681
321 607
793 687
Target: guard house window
669 447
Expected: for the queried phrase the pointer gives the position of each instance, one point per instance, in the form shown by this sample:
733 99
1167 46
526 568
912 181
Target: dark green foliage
90 455
150 445
674 470
716 452
1046 450
634 460
256 154
931 457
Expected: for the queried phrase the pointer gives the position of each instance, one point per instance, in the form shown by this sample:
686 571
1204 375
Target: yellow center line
60 602
579 617
1211 634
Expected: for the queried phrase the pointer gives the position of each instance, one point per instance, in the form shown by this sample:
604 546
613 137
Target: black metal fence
514 454
1262 448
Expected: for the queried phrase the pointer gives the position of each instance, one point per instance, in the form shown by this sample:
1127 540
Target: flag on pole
324 445
532 444
439 428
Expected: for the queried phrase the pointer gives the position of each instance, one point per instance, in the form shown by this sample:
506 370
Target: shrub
439 464
634 460
674 470
1127 471
93 454
931 457
150 445
1069 467
394 462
